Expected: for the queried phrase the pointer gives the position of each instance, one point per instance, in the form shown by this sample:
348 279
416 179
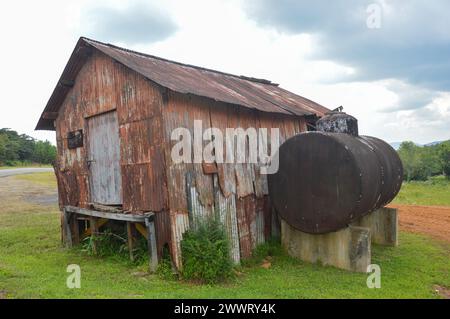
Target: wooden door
104 159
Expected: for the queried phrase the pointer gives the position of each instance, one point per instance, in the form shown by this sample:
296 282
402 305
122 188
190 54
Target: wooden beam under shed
141 229
115 216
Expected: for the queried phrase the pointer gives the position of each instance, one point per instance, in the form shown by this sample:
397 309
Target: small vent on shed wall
75 139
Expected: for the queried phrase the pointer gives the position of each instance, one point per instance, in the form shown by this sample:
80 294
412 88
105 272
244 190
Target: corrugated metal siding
251 93
103 85
198 212
180 224
147 115
239 193
225 208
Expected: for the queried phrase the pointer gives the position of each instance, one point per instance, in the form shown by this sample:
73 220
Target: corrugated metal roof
258 94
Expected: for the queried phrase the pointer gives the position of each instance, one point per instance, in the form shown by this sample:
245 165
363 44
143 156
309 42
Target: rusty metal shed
113 111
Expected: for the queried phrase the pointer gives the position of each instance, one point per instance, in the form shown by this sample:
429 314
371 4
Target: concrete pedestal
383 225
348 248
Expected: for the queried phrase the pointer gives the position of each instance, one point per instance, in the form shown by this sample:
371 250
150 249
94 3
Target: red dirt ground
429 220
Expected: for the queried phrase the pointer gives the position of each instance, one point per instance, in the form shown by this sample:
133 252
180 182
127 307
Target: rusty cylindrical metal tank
326 180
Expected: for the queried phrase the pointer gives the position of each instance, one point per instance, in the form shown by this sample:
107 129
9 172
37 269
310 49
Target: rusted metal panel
175 116
267 209
198 110
246 218
225 171
144 186
261 95
163 232
198 212
225 208
143 165
244 171
137 99
180 224
104 159
259 221
147 115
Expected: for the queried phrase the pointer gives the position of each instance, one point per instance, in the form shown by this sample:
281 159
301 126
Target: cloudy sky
387 62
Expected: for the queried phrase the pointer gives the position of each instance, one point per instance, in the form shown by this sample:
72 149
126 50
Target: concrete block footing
348 248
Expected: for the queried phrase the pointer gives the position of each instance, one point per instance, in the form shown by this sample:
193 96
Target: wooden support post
75 229
67 229
130 237
151 242
94 233
141 229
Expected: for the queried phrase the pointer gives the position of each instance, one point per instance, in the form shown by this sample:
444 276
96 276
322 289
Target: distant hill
396 145
434 143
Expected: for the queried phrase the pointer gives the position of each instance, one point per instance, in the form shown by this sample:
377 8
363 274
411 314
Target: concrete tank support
383 225
348 248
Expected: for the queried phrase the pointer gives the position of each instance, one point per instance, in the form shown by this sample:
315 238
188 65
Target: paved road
20 171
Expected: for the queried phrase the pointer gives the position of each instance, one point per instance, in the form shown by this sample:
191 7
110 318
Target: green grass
41 178
435 191
33 265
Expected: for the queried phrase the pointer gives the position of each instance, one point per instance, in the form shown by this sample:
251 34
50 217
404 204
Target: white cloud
215 34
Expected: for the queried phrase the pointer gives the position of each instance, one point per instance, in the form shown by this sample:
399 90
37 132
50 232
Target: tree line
422 162
20 148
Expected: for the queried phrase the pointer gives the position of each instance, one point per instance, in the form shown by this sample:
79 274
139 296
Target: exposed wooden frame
133 223
114 216
151 243
94 233
131 239
67 232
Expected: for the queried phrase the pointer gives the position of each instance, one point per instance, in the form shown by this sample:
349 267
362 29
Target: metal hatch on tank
327 179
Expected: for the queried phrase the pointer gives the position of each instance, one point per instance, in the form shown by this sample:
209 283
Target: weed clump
111 244
205 253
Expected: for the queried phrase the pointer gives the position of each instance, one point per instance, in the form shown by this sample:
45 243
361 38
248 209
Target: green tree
409 155
15 147
444 158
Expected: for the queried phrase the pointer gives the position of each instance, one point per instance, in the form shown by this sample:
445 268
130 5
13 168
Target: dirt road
25 170
429 220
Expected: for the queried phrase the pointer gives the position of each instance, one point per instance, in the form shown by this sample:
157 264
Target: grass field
33 265
435 191
41 178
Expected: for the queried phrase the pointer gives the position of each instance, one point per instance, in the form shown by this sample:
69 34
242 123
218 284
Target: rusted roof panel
258 94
